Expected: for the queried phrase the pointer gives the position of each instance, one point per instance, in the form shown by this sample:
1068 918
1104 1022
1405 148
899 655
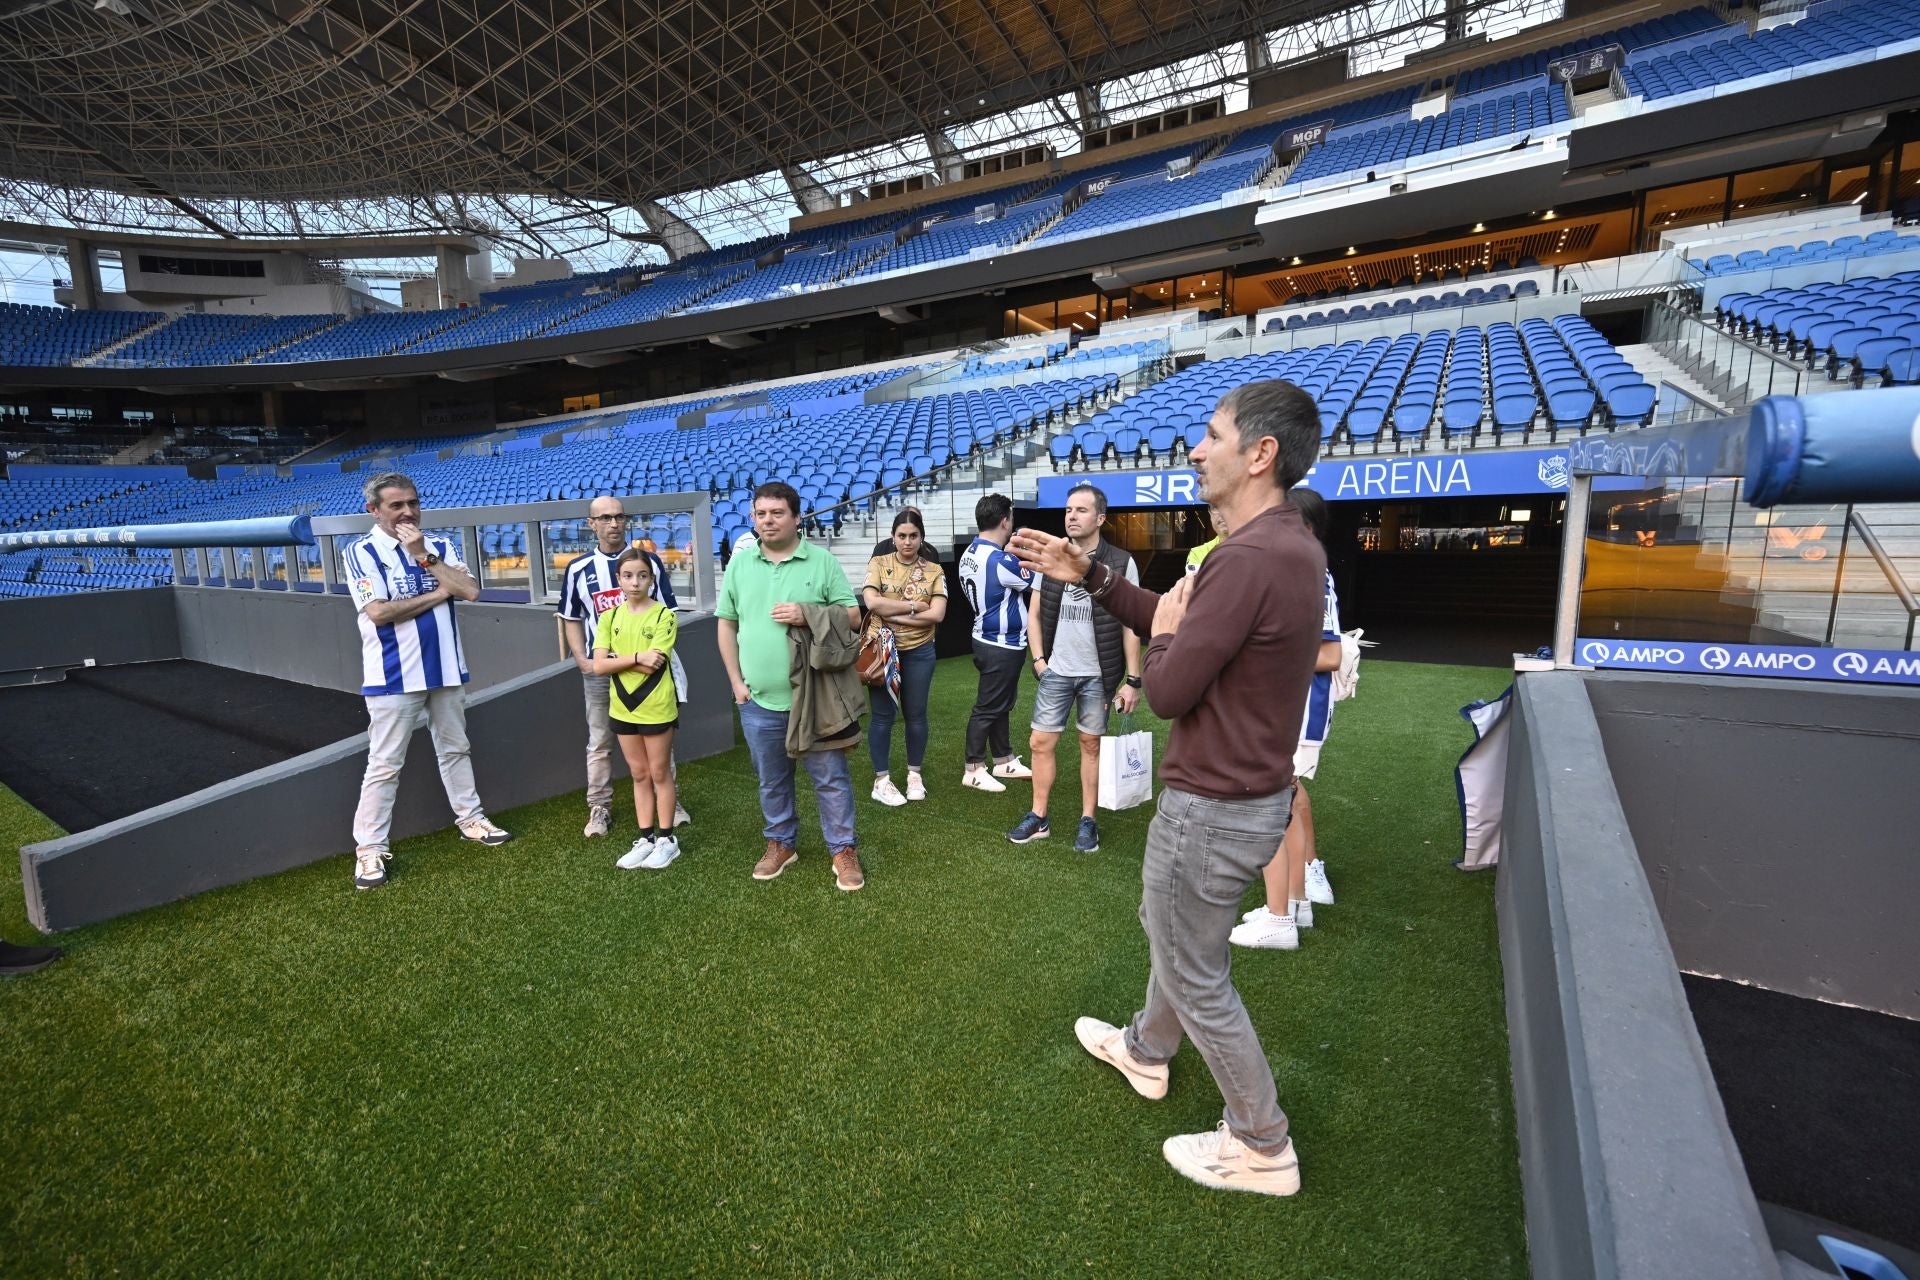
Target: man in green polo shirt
762 595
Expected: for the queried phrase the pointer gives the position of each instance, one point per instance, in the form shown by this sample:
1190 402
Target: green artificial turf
523 1061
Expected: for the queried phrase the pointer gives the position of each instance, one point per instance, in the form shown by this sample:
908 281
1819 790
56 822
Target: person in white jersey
590 588
996 587
403 585
1296 879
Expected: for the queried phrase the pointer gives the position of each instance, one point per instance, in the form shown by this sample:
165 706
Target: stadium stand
1865 328
1835 32
1839 249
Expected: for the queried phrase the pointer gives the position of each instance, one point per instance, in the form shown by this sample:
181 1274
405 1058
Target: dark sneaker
1031 827
1087 839
847 873
776 859
18 959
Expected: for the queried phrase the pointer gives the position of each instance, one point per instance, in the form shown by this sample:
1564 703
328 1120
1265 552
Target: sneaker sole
489 841
995 789
1080 848
1095 1051
1038 835
1270 1186
371 884
651 865
775 873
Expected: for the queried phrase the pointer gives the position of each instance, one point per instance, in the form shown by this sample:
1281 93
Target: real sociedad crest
1553 471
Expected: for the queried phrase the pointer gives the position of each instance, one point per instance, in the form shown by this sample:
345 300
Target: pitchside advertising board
1860 666
1523 471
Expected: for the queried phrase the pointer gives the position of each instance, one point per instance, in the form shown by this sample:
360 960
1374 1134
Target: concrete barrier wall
1627 1164
1778 823
111 627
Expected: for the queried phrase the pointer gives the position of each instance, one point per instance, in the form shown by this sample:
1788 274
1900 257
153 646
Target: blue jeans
1086 696
766 735
916 683
1201 856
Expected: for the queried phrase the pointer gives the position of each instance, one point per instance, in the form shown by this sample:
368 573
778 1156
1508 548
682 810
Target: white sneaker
916 785
1302 912
599 821
665 850
1012 769
1318 890
680 815
981 780
1274 933
370 868
636 857
886 793
1109 1044
1218 1159
483 832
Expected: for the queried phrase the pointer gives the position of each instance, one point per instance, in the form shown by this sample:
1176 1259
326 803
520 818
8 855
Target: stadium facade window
73 412
1906 182
1689 204
225 268
1776 190
1852 184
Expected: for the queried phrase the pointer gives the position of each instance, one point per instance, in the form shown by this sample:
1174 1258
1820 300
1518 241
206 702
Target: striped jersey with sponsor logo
415 655
996 588
1320 693
590 587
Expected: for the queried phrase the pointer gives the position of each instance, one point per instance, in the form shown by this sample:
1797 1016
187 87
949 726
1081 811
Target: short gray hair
386 480
1279 409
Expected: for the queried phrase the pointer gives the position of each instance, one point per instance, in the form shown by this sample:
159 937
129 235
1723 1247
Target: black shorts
627 729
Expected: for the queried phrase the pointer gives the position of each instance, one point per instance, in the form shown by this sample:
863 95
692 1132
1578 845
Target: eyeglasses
615 519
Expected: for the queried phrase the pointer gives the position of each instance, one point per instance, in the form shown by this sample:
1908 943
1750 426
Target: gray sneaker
1087 839
599 820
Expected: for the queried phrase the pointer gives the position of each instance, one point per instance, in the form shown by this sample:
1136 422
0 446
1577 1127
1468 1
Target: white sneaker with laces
599 821
680 815
886 793
483 832
980 780
1012 769
1318 890
370 868
1274 933
665 850
916 785
1218 1159
1109 1044
636 857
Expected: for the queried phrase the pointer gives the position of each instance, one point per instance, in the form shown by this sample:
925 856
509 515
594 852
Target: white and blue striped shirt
403 657
1319 715
996 588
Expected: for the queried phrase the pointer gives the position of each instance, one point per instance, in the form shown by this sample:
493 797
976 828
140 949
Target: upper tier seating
1839 248
32 335
1834 31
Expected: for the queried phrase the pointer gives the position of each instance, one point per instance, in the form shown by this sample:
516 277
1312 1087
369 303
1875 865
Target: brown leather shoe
776 859
847 874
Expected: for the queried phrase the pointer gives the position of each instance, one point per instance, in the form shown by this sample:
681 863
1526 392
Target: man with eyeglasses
589 589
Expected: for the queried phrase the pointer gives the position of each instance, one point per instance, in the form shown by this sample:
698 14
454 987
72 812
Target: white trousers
392 718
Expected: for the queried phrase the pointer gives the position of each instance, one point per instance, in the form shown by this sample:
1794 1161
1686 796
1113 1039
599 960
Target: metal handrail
1678 318
1895 578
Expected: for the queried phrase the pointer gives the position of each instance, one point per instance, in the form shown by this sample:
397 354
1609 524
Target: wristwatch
1133 682
428 561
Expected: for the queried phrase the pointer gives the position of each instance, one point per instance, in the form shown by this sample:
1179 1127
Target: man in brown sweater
1230 661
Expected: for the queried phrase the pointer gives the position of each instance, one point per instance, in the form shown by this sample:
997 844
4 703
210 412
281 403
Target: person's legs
447 721
1285 877
916 687
1201 855
832 778
633 748
989 725
599 742
766 735
391 720
1042 746
881 714
1089 773
659 773
1090 711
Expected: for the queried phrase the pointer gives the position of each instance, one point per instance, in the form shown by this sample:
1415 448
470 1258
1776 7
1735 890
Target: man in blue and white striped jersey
996 586
403 585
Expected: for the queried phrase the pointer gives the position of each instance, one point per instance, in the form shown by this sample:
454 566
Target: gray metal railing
1732 367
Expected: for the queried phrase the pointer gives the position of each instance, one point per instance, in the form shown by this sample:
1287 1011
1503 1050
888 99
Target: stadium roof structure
514 115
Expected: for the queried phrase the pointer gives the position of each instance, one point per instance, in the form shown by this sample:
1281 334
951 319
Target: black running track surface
111 741
1824 1101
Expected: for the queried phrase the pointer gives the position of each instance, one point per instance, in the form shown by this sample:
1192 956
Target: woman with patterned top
633 645
906 594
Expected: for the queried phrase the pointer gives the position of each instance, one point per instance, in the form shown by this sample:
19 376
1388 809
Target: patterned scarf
892 655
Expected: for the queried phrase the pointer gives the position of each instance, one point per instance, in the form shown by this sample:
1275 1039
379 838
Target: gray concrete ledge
1627 1165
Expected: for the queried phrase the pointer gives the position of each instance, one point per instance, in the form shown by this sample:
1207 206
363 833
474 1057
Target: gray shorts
1058 693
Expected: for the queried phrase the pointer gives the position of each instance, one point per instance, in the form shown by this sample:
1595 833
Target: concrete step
1657 368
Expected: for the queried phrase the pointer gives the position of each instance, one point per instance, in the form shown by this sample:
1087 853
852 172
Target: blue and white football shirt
1320 693
421 653
996 588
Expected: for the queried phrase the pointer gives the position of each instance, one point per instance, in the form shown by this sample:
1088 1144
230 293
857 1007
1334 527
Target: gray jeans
600 747
1201 856
391 720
